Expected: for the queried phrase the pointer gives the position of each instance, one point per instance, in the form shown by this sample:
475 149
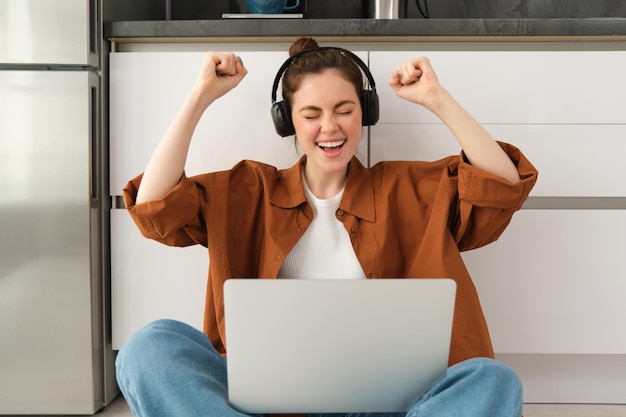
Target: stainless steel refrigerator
55 355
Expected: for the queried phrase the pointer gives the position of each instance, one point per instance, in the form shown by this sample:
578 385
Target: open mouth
331 145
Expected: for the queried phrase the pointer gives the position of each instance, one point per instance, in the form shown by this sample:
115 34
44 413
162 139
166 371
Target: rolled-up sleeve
482 188
173 220
487 202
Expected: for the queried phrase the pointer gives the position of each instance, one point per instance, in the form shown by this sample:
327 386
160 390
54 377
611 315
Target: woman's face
327 117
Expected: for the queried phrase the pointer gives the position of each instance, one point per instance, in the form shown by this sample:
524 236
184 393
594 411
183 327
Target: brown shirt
404 219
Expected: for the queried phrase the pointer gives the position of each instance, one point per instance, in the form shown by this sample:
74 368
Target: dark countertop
260 30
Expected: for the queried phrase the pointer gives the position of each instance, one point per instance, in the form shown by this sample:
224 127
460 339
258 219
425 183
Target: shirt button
300 227
340 212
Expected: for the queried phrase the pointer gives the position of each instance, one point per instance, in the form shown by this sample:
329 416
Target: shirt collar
289 191
358 197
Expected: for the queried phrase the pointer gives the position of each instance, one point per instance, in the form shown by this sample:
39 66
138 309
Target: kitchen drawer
554 282
151 281
536 87
573 160
147 88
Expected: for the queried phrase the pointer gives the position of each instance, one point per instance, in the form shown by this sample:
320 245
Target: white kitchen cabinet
573 160
147 90
551 286
554 282
149 280
152 281
516 87
568 121
552 291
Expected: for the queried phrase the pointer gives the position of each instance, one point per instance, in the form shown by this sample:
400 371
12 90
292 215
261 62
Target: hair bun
302 44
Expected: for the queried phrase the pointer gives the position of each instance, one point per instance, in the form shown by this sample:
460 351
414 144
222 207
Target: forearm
167 162
478 145
416 81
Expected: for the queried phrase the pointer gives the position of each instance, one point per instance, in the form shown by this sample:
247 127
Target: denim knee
170 368
497 372
147 350
498 379
479 387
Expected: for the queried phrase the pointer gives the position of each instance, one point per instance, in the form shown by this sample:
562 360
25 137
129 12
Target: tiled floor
118 408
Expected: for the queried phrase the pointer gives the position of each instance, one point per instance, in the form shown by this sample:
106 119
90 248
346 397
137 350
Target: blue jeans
171 369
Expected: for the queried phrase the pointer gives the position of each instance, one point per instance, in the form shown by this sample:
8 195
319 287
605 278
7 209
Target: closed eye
345 107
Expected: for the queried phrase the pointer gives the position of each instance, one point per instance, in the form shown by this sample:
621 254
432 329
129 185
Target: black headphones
281 114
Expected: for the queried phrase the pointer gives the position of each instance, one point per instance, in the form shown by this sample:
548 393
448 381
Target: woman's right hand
220 73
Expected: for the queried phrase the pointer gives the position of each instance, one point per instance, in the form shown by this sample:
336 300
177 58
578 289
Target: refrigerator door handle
95 163
94 33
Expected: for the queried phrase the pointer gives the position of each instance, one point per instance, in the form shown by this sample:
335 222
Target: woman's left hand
415 81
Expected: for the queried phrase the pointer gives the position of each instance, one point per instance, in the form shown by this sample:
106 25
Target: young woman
395 219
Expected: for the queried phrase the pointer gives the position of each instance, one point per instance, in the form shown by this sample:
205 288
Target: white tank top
325 250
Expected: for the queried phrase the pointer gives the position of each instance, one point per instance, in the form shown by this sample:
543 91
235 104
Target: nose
329 123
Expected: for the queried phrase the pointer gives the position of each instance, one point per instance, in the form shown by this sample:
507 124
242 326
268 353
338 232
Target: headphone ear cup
282 119
370 107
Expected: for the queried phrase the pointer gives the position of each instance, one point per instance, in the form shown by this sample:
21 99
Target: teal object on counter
271 6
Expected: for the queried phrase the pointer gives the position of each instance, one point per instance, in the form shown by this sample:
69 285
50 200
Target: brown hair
315 62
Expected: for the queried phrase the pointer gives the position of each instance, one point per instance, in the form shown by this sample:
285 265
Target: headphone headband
289 61
281 114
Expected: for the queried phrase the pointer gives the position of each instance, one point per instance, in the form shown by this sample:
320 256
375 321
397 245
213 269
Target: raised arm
220 73
416 82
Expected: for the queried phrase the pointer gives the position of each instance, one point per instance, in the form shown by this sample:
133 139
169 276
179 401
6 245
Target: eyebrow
315 108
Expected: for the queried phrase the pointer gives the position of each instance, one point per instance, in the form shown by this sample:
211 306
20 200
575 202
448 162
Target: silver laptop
309 346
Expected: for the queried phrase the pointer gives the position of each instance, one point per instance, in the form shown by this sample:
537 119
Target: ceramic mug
270 6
